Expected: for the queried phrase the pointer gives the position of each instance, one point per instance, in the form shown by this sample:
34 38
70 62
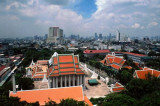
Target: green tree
26 83
71 102
118 99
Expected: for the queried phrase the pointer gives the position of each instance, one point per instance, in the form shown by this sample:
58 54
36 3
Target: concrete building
91 53
55 35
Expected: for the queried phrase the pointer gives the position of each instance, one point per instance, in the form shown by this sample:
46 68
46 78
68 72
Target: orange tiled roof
66 58
65 64
117 84
115 66
128 67
76 59
42 62
56 94
117 87
142 73
113 61
87 101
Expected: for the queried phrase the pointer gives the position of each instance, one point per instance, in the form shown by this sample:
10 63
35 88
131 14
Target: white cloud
14 4
136 25
110 15
153 24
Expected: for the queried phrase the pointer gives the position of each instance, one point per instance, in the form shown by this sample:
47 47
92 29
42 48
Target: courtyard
96 91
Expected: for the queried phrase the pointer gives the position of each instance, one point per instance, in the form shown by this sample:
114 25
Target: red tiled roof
135 54
2 67
56 94
96 51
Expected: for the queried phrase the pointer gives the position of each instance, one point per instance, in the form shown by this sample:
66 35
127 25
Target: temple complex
61 70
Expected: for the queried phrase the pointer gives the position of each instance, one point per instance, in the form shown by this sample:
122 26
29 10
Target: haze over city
21 18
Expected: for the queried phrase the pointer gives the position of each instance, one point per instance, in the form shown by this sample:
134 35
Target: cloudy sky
20 18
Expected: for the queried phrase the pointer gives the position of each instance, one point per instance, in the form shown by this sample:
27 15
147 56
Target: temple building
37 70
117 87
142 74
65 71
113 61
61 70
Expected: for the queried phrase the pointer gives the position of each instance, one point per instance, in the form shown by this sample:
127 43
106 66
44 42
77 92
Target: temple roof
142 74
117 87
55 94
64 64
113 61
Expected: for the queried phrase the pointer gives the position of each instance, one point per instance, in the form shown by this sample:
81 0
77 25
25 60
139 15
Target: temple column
78 80
49 83
53 82
84 81
61 81
73 80
69 80
56 82
65 81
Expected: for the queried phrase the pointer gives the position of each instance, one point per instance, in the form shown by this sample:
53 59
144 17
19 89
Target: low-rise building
91 53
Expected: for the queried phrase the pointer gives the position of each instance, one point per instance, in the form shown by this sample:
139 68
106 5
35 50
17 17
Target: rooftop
113 61
55 94
142 74
96 51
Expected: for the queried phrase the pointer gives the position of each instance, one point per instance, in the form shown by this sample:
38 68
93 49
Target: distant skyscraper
96 36
118 36
45 36
100 36
55 35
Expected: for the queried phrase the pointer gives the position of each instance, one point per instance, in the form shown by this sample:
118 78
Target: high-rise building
118 36
100 36
96 36
55 35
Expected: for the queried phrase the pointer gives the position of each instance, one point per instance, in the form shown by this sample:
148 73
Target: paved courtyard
96 91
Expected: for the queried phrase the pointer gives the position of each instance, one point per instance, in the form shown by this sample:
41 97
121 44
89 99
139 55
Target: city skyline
34 17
